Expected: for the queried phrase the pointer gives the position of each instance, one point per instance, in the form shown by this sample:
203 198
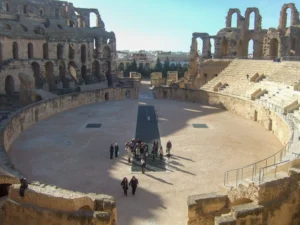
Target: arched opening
15 50
121 66
274 48
212 46
71 51
241 201
289 16
85 208
25 9
9 85
45 51
251 21
7 7
107 68
96 46
41 12
72 71
127 94
234 19
83 53
200 47
83 74
30 50
59 51
93 20
4 188
250 49
255 115
39 83
106 96
224 49
49 67
71 23
62 75
270 125
96 69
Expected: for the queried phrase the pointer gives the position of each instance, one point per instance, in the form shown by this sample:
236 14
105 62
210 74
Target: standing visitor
247 76
137 152
111 149
169 146
23 187
133 183
161 153
124 185
128 151
143 164
116 150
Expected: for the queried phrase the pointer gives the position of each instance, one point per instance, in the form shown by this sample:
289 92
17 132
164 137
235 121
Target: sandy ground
61 151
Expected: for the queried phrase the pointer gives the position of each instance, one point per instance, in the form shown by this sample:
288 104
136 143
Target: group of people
114 148
133 183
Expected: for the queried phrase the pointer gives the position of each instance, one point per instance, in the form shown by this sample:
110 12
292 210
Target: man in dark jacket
133 183
111 149
116 150
23 187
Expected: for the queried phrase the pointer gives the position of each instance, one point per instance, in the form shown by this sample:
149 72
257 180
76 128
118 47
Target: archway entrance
83 53
62 75
72 71
96 69
39 83
274 48
49 75
83 74
9 85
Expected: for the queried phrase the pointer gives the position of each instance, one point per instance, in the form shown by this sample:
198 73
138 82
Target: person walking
143 164
111 149
133 183
124 185
161 153
116 150
169 147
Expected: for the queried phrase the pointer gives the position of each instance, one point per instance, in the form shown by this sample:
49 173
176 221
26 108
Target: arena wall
46 203
275 202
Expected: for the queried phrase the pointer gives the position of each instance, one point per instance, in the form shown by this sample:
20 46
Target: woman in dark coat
124 185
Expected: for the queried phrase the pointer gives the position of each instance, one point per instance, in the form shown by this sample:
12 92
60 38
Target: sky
168 24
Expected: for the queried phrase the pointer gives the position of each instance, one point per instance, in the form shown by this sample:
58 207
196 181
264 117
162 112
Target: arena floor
61 151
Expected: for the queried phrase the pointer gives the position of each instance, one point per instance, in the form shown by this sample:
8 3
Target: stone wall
275 202
33 208
49 205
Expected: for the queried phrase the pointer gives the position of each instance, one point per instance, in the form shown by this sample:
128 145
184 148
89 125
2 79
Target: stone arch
229 17
59 51
257 19
71 51
85 208
62 75
95 47
15 50
212 45
83 53
250 49
106 96
39 83
30 50
73 70
283 16
200 46
224 48
93 20
9 85
96 69
49 68
45 51
274 48
83 74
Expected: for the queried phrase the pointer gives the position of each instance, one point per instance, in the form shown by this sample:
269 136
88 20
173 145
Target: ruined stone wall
236 105
49 205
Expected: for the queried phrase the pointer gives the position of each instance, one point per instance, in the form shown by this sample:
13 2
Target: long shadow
158 179
180 157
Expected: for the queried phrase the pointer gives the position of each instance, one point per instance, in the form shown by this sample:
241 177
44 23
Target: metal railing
253 171
269 169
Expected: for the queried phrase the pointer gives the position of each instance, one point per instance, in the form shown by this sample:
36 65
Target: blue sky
169 24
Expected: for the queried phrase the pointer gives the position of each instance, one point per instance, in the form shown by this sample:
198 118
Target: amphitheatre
235 156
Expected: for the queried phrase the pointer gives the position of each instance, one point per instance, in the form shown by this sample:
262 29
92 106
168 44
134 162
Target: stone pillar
206 48
218 46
